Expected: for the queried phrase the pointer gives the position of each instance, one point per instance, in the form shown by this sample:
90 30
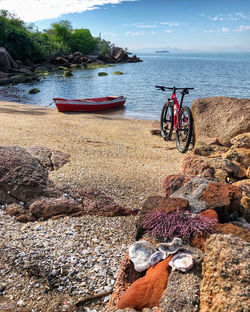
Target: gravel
51 265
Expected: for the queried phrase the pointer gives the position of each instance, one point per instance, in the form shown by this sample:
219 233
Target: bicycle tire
166 122
185 129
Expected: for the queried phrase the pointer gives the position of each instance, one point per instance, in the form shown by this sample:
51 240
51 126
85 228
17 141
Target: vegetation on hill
27 42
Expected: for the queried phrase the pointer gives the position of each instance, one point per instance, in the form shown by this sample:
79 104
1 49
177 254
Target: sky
214 25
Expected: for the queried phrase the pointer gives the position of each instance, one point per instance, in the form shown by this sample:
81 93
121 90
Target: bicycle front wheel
166 121
185 129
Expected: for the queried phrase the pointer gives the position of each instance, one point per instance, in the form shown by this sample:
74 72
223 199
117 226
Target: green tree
82 41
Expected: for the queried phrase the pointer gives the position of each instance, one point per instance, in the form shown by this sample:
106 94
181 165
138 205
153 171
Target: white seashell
182 261
140 253
157 257
171 248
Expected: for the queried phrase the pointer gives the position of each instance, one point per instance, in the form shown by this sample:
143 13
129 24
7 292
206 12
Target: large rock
60 61
199 240
203 194
209 168
226 274
191 191
46 208
241 140
172 183
22 177
245 199
6 61
97 203
193 165
220 117
240 155
224 199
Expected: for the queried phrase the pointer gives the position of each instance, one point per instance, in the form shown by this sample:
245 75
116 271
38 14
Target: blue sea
210 74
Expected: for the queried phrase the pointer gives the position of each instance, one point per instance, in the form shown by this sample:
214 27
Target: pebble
62 260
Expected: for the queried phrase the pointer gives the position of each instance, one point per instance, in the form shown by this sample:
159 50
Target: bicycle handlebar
173 88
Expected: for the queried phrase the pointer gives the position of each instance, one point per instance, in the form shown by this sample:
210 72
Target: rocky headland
68 247
16 71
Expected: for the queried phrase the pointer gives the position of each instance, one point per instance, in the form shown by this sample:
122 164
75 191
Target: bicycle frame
176 109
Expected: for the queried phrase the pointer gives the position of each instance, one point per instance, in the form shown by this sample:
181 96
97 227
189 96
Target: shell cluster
143 254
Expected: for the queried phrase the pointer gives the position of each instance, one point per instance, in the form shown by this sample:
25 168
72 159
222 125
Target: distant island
164 51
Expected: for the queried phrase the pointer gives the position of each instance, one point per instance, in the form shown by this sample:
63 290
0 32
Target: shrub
166 226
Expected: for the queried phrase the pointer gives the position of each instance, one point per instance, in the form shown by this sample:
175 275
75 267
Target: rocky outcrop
225 274
118 55
220 117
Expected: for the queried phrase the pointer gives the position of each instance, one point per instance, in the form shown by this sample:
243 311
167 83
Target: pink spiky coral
166 226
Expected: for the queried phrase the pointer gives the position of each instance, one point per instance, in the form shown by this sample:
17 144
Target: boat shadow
118 111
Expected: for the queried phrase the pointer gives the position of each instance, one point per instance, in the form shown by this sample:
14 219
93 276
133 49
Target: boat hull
89 105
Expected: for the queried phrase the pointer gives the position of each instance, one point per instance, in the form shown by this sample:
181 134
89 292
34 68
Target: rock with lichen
226 274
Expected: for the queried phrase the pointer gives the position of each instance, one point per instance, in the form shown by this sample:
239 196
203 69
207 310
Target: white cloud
35 10
225 29
242 28
229 17
170 23
135 33
139 33
168 31
146 26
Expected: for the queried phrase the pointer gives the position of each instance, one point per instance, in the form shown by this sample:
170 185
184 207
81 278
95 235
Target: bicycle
178 118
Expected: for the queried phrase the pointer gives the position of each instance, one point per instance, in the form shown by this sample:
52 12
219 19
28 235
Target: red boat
89 105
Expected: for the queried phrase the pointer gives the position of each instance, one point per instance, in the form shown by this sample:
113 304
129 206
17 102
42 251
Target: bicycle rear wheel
185 130
166 121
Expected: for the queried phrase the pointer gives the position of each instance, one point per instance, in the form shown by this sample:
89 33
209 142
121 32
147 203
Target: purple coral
165 225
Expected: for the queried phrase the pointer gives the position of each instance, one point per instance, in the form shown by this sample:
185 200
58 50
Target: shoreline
117 156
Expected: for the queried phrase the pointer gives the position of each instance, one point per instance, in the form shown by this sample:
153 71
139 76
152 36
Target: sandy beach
118 156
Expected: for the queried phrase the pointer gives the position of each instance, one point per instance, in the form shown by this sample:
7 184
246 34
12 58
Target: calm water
211 74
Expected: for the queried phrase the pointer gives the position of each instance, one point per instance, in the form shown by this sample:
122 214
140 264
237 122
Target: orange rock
210 213
147 291
228 228
198 240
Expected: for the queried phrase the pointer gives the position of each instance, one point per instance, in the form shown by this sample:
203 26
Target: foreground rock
22 177
225 274
220 117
